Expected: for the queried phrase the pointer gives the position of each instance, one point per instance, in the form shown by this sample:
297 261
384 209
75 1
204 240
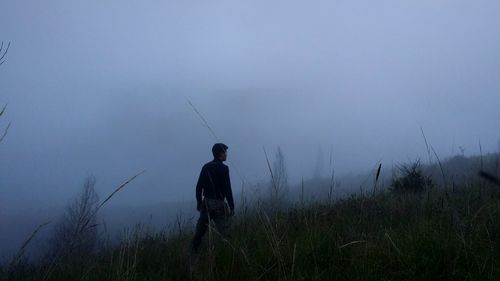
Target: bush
411 179
76 233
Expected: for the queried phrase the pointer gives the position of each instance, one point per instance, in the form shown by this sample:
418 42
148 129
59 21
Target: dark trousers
211 211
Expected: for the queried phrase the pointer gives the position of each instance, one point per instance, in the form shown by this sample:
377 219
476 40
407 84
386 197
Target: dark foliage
411 179
76 233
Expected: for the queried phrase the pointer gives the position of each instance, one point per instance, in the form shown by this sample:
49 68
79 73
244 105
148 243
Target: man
212 188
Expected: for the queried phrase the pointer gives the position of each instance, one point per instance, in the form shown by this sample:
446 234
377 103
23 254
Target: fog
104 88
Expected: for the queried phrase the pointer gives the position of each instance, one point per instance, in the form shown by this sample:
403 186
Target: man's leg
201 228
222 224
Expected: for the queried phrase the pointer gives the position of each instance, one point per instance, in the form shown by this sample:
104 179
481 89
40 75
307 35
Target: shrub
411 179
76 234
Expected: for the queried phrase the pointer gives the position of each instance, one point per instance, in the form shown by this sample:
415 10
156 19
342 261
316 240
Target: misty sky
100 87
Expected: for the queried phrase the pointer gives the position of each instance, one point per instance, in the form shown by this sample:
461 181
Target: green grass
434 235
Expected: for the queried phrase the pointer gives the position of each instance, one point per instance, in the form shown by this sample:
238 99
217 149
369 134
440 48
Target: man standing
212 188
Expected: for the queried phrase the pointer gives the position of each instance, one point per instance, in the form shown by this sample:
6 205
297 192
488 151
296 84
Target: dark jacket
214 183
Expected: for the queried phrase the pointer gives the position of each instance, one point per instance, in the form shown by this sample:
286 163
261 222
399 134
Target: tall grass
63 254
379 236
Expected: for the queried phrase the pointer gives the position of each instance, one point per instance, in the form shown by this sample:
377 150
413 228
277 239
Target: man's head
219 150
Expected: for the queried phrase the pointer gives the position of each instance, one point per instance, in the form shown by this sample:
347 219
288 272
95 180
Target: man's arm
199 188
227 189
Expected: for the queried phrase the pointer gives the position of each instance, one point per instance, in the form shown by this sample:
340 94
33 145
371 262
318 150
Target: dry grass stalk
8 125
489 177
440 168
25 244
351 243
332 177
376 178
2 55
426 145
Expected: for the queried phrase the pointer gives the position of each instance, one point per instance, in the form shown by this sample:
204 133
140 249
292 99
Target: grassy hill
445 232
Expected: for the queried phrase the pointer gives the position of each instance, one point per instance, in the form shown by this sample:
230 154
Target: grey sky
97 87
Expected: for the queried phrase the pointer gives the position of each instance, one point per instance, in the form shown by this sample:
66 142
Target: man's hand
231 212
199 205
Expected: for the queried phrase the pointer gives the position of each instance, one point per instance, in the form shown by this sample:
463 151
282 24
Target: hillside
447 232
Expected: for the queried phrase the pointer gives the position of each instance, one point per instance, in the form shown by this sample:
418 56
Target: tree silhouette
76 233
